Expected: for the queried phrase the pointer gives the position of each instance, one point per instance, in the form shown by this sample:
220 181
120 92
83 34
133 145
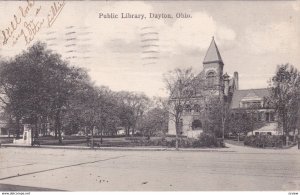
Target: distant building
191 122
254 102
4 130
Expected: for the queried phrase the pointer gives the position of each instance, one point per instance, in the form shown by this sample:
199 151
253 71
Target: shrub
209 140
204 140
262 141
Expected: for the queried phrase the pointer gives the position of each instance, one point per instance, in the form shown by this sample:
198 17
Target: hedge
263 141
204 140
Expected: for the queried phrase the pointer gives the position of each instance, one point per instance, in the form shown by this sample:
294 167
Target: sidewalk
248 149
229 148
121 148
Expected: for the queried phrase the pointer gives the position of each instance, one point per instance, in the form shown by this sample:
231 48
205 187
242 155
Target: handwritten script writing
29 20
55 11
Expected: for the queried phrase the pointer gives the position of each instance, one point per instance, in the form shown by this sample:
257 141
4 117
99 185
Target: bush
262 141
204 140
209 140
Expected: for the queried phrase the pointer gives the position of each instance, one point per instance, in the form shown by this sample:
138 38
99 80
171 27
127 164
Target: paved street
235 168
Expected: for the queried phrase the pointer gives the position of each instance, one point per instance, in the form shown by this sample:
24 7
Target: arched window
187 108
196 108
211 78
196 124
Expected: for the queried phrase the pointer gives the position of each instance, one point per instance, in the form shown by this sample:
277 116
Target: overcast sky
253 38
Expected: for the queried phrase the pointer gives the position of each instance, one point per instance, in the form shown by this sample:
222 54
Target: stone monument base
27 136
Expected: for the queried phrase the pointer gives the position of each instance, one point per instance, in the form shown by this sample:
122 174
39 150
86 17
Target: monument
27 136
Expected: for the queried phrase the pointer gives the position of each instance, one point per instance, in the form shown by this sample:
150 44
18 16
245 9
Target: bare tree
182 86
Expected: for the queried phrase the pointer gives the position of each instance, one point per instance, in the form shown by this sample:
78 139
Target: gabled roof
239 95
252 95
213 54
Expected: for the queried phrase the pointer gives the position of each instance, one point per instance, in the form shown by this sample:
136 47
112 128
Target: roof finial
213 37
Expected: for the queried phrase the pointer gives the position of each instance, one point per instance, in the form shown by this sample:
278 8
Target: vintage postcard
149 96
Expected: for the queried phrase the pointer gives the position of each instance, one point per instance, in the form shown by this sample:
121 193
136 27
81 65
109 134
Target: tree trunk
10 125
177 129
223 129
127 130
48 126
285 129
18 127
55 132
58 127
101 135
31 136
36 129
59 137
177 147
93 137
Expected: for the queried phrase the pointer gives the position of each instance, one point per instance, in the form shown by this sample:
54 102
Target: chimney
226 84
236 80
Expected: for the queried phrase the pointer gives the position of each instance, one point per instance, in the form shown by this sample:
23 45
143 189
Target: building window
246 105
187 108
251 104
272 118
255 104
259 116
211 78
196 108
254 116
196 124
267 116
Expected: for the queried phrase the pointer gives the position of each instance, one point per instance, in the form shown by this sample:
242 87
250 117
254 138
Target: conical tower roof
213 54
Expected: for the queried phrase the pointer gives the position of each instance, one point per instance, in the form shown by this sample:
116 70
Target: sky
133 54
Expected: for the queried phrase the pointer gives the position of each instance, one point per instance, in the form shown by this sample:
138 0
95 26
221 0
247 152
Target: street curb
116 148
